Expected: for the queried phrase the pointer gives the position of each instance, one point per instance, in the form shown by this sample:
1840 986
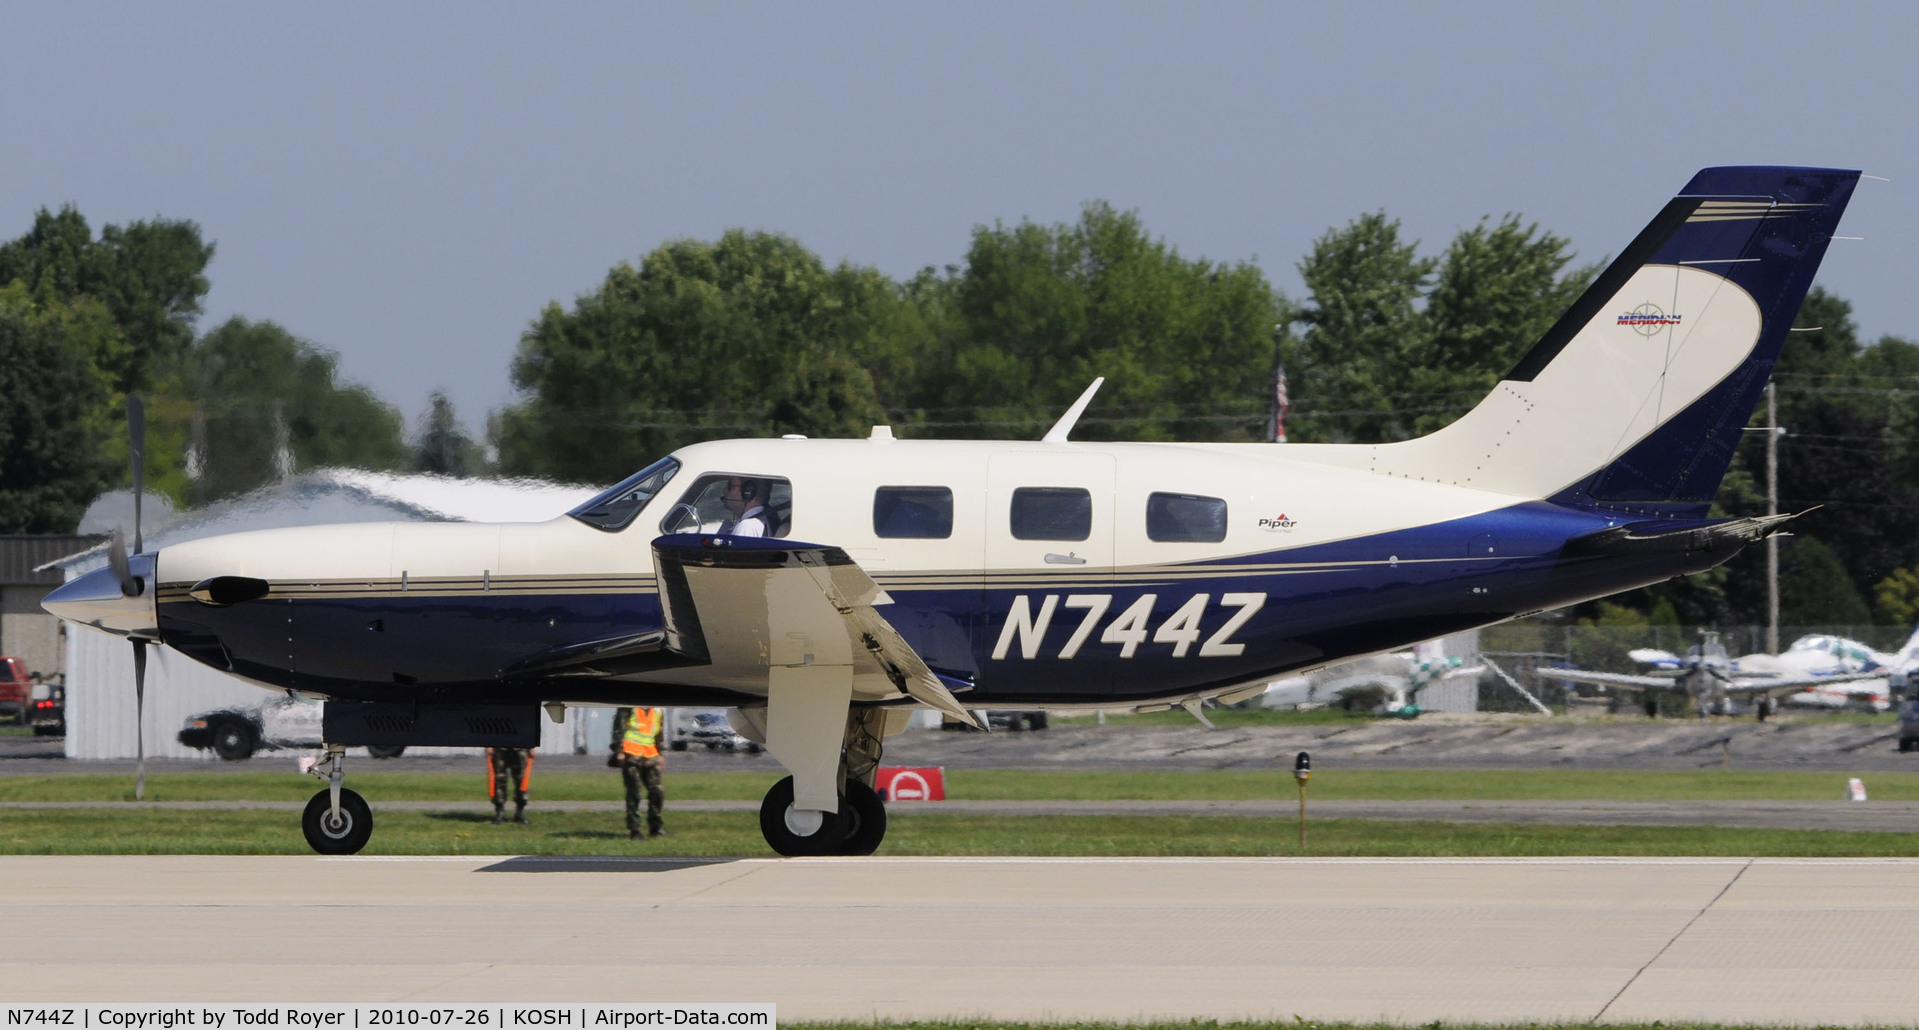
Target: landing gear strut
337 821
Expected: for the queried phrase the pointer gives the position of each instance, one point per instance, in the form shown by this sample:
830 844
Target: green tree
1037 312
1351 372
148 276
1815 589
1499 288
50 457
749 335
1849 456
1397 345
268 399
1896 598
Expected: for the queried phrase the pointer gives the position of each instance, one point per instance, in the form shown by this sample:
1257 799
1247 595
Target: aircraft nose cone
95 599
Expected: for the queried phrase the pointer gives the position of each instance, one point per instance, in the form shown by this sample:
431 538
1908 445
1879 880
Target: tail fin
1635 399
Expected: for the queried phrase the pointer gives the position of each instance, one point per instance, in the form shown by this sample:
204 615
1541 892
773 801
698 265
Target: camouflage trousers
644 773
507 772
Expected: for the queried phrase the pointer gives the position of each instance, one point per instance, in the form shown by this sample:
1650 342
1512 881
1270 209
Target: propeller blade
130 586
137 436
139 719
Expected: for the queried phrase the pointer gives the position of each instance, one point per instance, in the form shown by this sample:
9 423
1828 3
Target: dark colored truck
47 707
15 689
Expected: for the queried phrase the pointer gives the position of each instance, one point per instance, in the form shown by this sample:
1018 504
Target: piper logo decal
1278 524
1129 628
1647 319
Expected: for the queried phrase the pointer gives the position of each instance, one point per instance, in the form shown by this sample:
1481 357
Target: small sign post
1302 771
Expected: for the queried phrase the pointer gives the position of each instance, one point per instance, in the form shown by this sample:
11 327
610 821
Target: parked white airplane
1828 672
1402 675
1020 575
1834 672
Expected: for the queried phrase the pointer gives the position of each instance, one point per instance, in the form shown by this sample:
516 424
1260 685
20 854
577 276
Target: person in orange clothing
509 770
636 751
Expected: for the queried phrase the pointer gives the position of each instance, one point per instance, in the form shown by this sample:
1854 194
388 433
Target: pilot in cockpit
746 499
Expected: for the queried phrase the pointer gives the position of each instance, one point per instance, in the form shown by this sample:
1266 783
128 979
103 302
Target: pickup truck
15 689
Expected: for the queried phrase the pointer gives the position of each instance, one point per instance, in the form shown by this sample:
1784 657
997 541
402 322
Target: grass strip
1019 785
138 831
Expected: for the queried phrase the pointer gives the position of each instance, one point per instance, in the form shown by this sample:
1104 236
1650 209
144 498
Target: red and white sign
898 783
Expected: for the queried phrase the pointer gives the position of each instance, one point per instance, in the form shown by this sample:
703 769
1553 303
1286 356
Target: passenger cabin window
733 504
913 512
1185 518
616 508
1051 513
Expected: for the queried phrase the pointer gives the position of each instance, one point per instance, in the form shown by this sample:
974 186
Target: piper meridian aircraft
968 575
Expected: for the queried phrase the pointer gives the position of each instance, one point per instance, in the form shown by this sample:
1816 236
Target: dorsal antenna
1057 434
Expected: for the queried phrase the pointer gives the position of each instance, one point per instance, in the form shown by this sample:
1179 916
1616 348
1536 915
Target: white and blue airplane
964 575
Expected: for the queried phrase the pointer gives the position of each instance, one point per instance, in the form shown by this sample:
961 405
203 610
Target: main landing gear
337 821
793 827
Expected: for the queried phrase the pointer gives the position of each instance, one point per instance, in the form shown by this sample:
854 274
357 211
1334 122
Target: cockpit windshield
616 508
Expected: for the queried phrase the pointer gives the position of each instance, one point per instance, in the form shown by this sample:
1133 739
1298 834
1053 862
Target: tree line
753 334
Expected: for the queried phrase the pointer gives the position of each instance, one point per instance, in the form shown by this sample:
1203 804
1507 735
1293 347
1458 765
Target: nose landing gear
337 821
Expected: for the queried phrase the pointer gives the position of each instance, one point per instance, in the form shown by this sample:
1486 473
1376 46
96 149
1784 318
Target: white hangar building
100 706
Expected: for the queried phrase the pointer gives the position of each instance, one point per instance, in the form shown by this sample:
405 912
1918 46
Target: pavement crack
1641 971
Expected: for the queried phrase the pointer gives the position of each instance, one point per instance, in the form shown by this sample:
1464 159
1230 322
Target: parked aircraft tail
1634 401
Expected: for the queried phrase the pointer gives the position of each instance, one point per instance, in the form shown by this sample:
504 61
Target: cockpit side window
733 504
616 508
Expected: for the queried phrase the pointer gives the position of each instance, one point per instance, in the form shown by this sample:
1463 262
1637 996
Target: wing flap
749 601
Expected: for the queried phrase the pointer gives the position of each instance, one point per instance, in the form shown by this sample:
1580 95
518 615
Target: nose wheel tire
784 836
343 836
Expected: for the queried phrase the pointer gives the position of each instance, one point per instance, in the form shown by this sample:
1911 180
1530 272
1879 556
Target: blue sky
408 184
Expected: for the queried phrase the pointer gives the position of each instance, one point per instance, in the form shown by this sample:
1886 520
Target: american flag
1276 426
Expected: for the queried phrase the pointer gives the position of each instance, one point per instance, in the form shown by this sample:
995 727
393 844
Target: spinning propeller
133 586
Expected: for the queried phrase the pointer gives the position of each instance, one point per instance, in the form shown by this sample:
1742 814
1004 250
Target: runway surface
1405 940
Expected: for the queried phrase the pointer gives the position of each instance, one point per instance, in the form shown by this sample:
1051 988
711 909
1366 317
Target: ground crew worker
509 770
636 750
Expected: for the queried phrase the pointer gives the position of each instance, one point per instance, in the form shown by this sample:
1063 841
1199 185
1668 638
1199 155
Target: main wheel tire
782 838
678 745
345 837
865 812
1037 720
233 740
385 750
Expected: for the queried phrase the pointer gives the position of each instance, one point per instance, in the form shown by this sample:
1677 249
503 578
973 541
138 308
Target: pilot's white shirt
752 523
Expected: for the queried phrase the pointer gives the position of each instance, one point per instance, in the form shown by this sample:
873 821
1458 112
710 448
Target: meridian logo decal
1278 524
1647 319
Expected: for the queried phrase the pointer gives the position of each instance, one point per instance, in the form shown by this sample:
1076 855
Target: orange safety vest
642 733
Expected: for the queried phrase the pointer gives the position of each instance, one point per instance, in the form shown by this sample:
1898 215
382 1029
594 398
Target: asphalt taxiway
1404 940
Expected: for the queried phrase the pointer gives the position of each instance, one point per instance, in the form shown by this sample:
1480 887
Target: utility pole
1772 508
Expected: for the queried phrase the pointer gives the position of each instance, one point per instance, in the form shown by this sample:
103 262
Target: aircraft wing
1621 680
761 601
